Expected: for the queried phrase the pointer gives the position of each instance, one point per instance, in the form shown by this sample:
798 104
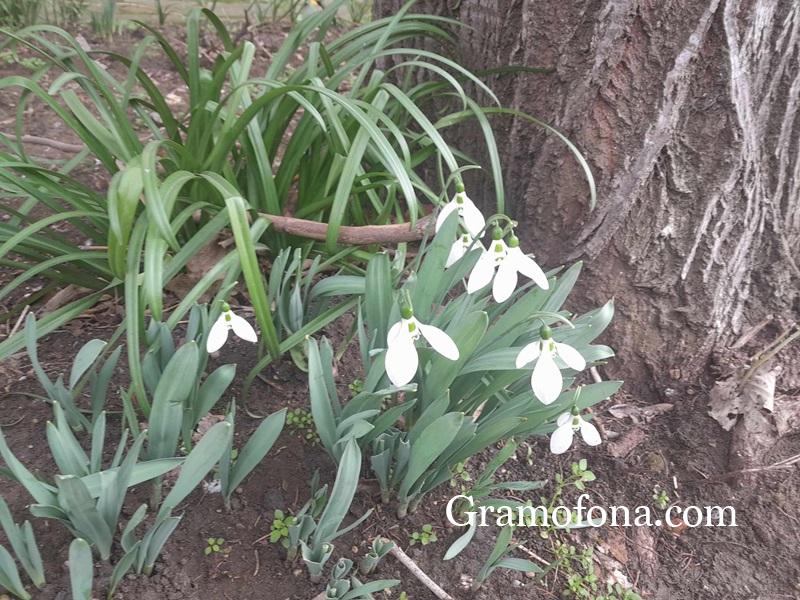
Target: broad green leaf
85 358
9 576
257 447
429 446
200 461
341 496
174 387
81 570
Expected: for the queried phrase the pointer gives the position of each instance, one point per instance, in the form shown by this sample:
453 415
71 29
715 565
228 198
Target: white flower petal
243 329
401 360
546 379
563 418
218 335
481 274
528 354
561 439
528 267
439 341
474 221
457 250
590 434
505 281
447 209
394 331
571 357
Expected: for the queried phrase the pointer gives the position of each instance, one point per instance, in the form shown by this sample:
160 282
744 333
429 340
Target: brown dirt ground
758 560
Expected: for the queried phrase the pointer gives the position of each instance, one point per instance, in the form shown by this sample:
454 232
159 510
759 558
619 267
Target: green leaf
378 295
40 492
237 210
79 506
142 472
85 358
197 465
33 560
344 488
174 387
9 576
462 542
430 445
321 402
81 570
213 388
122 568
519 564
372 587
257 447
467 334
428 282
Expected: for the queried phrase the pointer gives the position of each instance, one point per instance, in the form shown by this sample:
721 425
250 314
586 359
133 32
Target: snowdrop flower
509 260
516 261
568 424
473 218
401 357
224 323
460 247
483 271
546 380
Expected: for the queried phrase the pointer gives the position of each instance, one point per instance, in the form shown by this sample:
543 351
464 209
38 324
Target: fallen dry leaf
645 544
638 414
732 397
787 415
63 296
204 424
622 447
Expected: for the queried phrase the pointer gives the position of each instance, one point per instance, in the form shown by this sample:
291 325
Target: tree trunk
688 114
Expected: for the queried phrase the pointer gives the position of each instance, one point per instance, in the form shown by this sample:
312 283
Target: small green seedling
581 579
215 546
380 548
581 474
301 422
356 386
279 531
424 537
460 475
660 498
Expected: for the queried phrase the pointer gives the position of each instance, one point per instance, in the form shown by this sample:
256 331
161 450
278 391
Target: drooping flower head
483 271
508 260
514 262
460 247
567 424
471 217
226 322
546 379
401 356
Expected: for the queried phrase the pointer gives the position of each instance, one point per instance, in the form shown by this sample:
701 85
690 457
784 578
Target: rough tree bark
687 111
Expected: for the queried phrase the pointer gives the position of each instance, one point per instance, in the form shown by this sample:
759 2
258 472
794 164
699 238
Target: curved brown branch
43 141
358 236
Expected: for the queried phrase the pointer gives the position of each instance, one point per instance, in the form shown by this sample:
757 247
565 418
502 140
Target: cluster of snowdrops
500 365
500 266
